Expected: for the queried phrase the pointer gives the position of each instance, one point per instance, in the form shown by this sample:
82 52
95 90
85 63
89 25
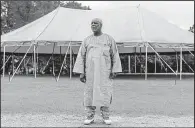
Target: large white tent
129 26
132 28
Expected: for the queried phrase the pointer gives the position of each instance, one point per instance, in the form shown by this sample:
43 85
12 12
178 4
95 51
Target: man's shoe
87 121
108 122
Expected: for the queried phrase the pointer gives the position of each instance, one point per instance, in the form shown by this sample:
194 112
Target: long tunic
97 57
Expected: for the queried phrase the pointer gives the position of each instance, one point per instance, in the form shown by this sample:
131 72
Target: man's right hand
82 78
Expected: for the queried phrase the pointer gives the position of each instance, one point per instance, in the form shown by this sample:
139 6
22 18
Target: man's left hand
112 75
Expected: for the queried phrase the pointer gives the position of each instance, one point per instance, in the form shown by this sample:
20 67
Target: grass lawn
26 101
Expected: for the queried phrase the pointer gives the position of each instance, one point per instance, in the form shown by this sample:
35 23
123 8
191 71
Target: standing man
97 62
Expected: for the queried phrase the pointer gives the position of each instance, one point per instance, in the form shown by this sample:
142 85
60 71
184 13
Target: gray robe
100 57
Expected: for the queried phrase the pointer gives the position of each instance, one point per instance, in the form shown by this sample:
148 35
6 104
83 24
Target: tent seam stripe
139 23
47 25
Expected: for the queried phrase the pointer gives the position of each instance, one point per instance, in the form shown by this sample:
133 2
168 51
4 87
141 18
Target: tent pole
129 62
73 61
37 59
180 63
27 61
177 61
13 63
53 67
155 62
161 63
140 59
9 56
63 62
187 65
135 60
161 58
189 51
146 65
34 61
4 62
53 59
60 55
70 61
46 64
20 62
161 66
24 65
135 64
24 62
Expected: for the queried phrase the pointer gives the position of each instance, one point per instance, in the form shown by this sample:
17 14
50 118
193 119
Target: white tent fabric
48 49
131 26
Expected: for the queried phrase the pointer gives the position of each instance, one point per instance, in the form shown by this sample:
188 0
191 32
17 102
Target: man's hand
112 75
82 78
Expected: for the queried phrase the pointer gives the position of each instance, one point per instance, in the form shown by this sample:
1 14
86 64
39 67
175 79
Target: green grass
133 96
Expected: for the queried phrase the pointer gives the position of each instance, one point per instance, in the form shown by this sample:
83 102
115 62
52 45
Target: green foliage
161 67
192 29
75 5
15 14
140 64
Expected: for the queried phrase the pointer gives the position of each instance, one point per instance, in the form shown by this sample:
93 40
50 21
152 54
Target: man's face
96 26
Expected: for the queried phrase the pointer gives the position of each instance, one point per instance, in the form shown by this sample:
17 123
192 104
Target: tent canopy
130 26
